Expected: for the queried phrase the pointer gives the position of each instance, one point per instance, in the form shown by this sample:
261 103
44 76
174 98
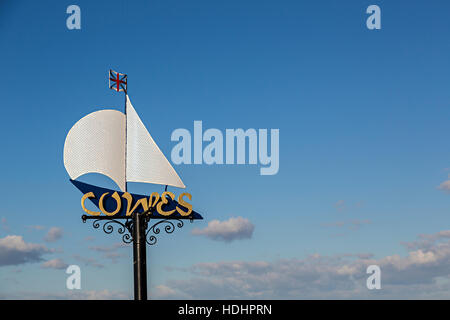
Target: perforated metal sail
100 143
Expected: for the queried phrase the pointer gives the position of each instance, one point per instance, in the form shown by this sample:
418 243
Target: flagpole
139 241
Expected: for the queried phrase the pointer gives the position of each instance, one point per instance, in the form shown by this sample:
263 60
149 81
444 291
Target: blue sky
363 119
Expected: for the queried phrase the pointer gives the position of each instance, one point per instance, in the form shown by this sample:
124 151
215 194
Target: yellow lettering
155 200
115 197
184 204
152 203
127 196
83 199
143 202
164 201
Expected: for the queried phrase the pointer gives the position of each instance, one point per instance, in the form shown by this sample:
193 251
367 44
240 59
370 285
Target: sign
123 204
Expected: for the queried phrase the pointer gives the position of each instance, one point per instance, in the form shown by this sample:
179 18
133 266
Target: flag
117 81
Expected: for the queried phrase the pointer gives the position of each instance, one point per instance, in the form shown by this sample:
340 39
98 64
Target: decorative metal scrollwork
168 228
125 229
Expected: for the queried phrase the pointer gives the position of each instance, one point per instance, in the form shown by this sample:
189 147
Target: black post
139 257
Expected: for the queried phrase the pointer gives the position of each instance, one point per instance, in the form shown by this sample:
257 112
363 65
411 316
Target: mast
139 244
126 138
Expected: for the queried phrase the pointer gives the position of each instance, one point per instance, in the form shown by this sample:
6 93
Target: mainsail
118 146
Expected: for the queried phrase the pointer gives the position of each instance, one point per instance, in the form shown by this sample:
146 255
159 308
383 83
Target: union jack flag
117 81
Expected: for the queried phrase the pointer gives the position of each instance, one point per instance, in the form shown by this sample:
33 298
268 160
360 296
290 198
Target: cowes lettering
154 201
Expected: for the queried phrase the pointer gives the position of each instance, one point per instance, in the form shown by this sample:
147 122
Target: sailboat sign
119 146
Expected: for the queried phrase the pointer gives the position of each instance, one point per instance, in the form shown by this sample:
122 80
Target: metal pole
139 257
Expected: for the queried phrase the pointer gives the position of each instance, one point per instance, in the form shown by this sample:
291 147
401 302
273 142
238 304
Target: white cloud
14 250
71 295
112 248
164 292
54 264
111 252
422 273
103 295
340 205
231 229
89 261
445 186
53 234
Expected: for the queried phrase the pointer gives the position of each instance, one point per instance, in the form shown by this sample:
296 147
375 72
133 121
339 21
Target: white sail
96 143
145 161
100 143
